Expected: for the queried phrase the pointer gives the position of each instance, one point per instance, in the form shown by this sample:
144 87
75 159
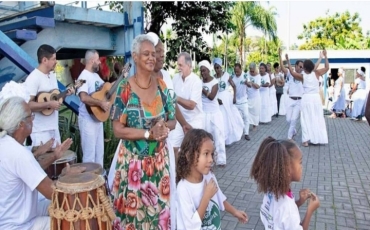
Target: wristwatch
147 134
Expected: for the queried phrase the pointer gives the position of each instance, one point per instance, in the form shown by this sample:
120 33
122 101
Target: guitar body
101 95
46 97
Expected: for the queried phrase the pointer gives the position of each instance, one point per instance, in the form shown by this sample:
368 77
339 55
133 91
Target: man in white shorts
188 88
91 130
43 79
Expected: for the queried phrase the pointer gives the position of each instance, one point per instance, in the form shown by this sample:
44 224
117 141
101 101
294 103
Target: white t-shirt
265 79
241 88
93 83
280 214
20 175
295 86
37 82
208 105
190 89
189 196
252 92
361 83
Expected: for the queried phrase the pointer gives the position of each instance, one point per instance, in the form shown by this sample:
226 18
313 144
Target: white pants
92 140
177 135
42 220
293 110
244 112
45 136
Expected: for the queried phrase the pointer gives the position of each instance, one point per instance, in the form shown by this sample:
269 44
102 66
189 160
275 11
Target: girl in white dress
359 95
199 198
284 96
212 113
312 114
265 114
278 163
254 98
233 122
272 90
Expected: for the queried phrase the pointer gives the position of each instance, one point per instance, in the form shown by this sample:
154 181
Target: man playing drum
21 175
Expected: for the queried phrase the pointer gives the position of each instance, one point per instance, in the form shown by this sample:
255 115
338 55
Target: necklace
137 83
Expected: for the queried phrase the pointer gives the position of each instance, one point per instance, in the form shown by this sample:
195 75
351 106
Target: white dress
265 114
339 99
233 122
312 113
359 98
213 122
254 100
283 99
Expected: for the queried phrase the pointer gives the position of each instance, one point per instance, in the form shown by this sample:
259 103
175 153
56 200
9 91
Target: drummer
21 175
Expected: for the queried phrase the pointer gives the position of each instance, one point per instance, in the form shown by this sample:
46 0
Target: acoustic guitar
106 93
55 95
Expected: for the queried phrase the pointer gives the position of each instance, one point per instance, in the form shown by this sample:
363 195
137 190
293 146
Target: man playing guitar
91 130
43 79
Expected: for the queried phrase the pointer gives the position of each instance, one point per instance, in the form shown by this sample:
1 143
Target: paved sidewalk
339 173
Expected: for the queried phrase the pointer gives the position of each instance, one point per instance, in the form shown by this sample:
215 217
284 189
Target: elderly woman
212 119
143 115
254 98
265 114
233 122
358 95
312 114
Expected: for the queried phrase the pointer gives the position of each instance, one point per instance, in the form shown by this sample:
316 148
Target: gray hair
12 112
89 55
187 58
252 65
136 44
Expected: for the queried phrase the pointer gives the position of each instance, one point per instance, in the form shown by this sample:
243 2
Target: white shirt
252 92
168 80
280 214
265 79
37 82
189 89
295 86
210 106
93 83
20 175
310 83
361 83
189 196
241 88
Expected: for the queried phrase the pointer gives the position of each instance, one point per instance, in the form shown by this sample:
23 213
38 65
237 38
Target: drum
55 169
92 168
79 201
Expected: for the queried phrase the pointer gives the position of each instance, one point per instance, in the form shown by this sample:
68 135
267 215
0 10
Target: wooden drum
79 202
55 169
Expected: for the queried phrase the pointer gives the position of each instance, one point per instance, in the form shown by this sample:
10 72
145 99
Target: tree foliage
332 31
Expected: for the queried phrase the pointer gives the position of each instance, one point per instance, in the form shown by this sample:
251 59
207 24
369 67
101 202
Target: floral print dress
141 186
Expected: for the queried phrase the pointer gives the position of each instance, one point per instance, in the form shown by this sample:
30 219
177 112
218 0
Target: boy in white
188 89
43 79
91 130
295 91
240 78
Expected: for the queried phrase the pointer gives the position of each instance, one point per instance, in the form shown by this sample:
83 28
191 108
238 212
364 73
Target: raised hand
61 148
304 194
314 203
286 57
210 189
324 53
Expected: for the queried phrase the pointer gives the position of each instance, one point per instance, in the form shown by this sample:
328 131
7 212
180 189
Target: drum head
80 182
90 167
67 157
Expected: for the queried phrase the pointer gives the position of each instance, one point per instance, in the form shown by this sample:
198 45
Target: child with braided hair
277 164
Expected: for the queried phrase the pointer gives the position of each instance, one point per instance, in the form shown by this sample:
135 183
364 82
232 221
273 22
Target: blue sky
302 12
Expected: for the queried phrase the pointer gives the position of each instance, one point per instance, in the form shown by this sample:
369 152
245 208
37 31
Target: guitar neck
113 89
63 94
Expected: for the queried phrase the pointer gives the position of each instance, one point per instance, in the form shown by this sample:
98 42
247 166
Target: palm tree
247 14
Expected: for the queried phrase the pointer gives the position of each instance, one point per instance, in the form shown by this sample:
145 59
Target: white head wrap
13 89
154 37
206 64
359 71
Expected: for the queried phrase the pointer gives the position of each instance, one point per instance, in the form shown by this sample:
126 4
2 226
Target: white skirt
215 126
283 104
265 105
254 109
312 119
359 100
232 120
273 101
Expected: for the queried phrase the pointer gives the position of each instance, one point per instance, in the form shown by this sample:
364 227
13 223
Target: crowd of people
172 132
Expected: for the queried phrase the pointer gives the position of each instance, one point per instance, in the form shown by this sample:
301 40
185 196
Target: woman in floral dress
143 115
